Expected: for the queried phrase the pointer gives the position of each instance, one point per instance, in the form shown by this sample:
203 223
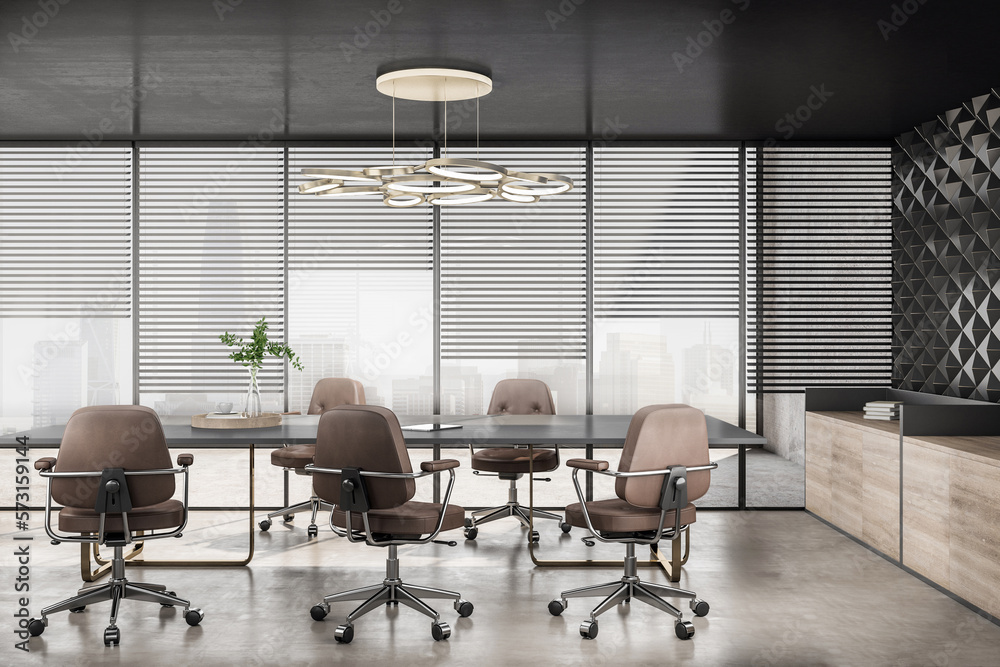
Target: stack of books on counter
884 410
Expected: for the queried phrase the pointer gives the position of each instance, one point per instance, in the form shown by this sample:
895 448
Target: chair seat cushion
410 518
293 456
617 516
511 460
162 516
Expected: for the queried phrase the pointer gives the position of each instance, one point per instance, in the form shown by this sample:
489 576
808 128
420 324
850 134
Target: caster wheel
36 626
535 537
557 607
468 523
112 636
265 524
699 607
464 608
565 527
471 533
165 604
319 611
588 629
440 630
289 518
194 617
78 610
344 634
392 603
684 629
313 531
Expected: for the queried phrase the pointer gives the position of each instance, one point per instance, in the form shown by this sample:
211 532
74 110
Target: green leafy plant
251 353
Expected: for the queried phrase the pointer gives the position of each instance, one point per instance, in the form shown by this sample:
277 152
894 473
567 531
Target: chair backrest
112 436
331 392
366 437
660 436
521 397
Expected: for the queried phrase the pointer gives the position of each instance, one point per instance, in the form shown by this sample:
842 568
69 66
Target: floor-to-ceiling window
210 259
122 265
360 287
65 281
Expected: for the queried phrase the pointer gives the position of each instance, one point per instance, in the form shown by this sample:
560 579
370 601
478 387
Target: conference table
588 431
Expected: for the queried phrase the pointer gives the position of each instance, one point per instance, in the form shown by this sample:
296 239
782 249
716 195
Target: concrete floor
785 590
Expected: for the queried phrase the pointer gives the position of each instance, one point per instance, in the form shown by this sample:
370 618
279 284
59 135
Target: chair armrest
437 466
185 459
588 464
45 463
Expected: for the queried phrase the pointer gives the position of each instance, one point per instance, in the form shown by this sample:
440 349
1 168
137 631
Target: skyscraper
322 357
635 370
60 382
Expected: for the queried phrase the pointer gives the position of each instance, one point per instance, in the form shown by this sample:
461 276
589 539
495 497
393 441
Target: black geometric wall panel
946 257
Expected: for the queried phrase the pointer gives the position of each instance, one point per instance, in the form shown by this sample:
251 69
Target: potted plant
251 354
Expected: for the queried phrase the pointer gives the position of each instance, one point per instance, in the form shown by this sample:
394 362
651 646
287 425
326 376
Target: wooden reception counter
923 491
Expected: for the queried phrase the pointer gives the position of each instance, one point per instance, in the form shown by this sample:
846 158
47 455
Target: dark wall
946 254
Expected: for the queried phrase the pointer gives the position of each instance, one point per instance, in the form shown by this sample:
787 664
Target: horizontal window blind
65 232
666 231
355 233
210 259
513 276
819 247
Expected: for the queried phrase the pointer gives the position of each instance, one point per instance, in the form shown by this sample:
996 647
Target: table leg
672 566
92 575
549 562
741 480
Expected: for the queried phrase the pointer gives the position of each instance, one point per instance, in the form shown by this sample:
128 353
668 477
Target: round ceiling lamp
443 181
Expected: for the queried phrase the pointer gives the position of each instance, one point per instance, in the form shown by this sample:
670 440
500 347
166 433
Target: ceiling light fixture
443 181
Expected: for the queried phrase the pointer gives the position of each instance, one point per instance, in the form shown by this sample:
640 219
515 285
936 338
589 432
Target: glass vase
251 407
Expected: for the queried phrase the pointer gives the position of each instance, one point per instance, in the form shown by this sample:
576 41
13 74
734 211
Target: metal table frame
589 431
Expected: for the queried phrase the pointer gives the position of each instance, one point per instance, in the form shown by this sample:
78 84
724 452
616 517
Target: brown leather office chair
328 393
362 466
514 397
664 465
114 479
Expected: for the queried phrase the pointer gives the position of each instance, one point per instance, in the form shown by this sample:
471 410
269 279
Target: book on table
882 410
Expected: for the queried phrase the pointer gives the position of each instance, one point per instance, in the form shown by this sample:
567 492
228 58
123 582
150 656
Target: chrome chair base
392 591
313 505
512 508
118 588
626 589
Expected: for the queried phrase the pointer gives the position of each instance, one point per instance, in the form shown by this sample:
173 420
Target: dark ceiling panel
197 69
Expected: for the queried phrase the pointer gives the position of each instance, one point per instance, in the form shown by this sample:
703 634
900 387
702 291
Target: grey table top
597 430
